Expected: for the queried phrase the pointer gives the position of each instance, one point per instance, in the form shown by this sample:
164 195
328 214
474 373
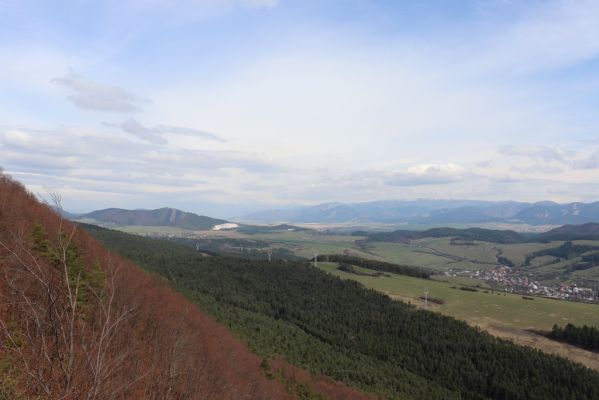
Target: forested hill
361 337
159 217
588 231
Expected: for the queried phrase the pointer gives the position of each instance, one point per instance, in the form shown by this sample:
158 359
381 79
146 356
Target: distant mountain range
426 212
433 212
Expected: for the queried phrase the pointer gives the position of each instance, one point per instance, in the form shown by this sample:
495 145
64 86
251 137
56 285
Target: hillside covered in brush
79 322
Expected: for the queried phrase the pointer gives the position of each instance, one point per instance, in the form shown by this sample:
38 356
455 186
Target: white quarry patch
228 225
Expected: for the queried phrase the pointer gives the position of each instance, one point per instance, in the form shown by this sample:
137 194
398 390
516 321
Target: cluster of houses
516 282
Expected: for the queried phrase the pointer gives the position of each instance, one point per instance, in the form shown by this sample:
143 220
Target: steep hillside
79 322
160 217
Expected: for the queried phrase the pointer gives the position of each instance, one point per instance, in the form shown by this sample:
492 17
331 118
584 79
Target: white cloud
590 161
541 152
313 114
157 133
90 95
427 174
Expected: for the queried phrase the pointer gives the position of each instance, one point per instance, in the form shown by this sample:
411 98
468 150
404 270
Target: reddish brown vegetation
323 385
130 338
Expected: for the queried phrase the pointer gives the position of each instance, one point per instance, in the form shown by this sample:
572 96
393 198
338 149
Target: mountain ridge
165 216
426 211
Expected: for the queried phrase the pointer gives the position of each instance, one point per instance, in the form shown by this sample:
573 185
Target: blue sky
227 106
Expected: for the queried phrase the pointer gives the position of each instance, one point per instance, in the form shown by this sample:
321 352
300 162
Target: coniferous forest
354 335
586 337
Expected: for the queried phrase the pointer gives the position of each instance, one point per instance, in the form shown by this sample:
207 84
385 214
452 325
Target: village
511 281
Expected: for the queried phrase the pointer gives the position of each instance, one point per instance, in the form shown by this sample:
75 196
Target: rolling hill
589 231
159 217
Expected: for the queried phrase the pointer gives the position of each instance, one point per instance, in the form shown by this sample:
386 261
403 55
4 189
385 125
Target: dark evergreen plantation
358 336
586 337
380 266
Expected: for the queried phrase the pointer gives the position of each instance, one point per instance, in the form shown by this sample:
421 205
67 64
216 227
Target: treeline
469 234
566 251
352 269
591 258
505 261
361 337
234 247
253 229
586 337
417 272
588 231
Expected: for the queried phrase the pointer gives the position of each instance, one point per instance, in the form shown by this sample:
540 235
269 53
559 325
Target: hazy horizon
225 107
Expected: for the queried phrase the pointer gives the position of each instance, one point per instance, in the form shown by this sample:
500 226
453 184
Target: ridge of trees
586 337
589 231
381 266
565 251
480 234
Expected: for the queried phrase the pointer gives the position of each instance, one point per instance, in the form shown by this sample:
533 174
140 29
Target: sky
224 107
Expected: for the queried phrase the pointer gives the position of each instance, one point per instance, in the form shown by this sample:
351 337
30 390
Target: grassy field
306 244
400 253
435 253
518 252
481 252
502 314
